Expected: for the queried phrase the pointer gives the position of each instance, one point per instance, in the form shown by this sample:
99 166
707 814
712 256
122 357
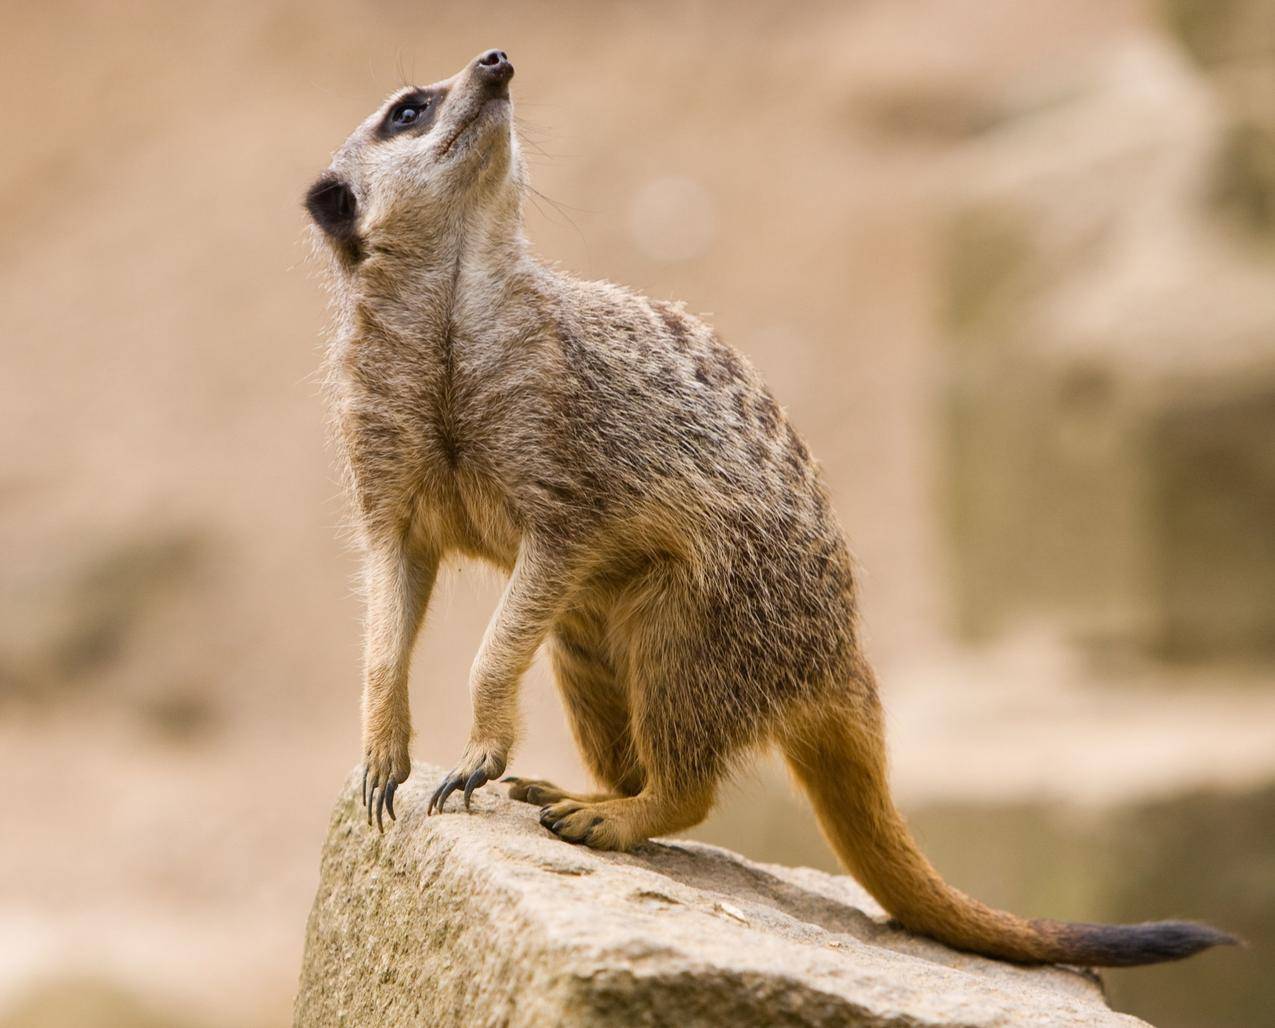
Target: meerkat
662 525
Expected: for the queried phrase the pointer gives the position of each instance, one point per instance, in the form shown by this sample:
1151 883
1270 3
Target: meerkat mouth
470 122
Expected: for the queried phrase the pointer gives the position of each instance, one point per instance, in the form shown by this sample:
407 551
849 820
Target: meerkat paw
538 792
601 826
480 764
385 767
534 790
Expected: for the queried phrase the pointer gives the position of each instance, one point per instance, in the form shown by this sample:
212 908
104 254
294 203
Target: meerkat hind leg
677 757
599 714
620 824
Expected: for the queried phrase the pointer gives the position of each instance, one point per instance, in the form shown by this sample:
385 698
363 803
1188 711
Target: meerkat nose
494 69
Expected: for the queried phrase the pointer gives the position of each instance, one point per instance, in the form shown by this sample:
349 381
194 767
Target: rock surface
486 919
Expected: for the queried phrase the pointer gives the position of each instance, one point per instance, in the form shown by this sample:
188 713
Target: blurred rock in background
1006 264
1233 43
1110 387
75 1002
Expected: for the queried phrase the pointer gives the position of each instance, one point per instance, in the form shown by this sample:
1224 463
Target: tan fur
659 519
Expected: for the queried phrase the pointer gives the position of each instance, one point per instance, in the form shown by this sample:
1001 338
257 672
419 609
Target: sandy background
178 633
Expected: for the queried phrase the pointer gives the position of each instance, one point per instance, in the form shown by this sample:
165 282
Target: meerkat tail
838 755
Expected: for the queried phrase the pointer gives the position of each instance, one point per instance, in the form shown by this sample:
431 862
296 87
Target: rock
1110 386
1220 31
1233 42
75 1001
485 919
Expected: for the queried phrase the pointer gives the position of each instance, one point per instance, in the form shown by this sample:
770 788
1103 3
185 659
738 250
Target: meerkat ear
333 207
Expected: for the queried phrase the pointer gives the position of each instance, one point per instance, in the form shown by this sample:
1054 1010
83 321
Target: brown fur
661 523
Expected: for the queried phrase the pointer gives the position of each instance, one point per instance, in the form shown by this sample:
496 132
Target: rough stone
487 919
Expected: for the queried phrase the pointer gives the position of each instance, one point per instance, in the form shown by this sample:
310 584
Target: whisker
559 204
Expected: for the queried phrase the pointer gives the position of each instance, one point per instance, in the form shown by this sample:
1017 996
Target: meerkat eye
407 113
413 111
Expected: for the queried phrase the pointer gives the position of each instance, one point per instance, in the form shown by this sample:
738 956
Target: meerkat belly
482 523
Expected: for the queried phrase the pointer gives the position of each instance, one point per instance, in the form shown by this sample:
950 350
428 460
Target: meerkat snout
496 71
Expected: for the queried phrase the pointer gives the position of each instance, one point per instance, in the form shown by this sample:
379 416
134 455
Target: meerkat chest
425 429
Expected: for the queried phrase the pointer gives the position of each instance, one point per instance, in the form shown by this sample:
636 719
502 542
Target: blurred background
1008 265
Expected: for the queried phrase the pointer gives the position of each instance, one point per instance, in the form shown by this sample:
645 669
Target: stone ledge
486 919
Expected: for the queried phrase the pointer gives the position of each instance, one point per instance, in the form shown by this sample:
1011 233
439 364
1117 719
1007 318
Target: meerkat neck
463 270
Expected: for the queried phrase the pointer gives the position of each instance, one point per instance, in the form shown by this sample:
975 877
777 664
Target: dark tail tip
1127 945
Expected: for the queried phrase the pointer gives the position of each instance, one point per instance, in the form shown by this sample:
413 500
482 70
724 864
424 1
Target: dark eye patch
411 112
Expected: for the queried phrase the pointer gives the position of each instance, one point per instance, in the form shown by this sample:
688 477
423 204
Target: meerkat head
421 163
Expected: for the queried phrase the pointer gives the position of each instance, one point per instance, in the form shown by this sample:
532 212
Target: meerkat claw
478 778
566 827
380 806
364 783
450 783
389 799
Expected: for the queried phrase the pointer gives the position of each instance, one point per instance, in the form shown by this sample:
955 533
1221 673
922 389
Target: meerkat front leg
536 592
398 585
